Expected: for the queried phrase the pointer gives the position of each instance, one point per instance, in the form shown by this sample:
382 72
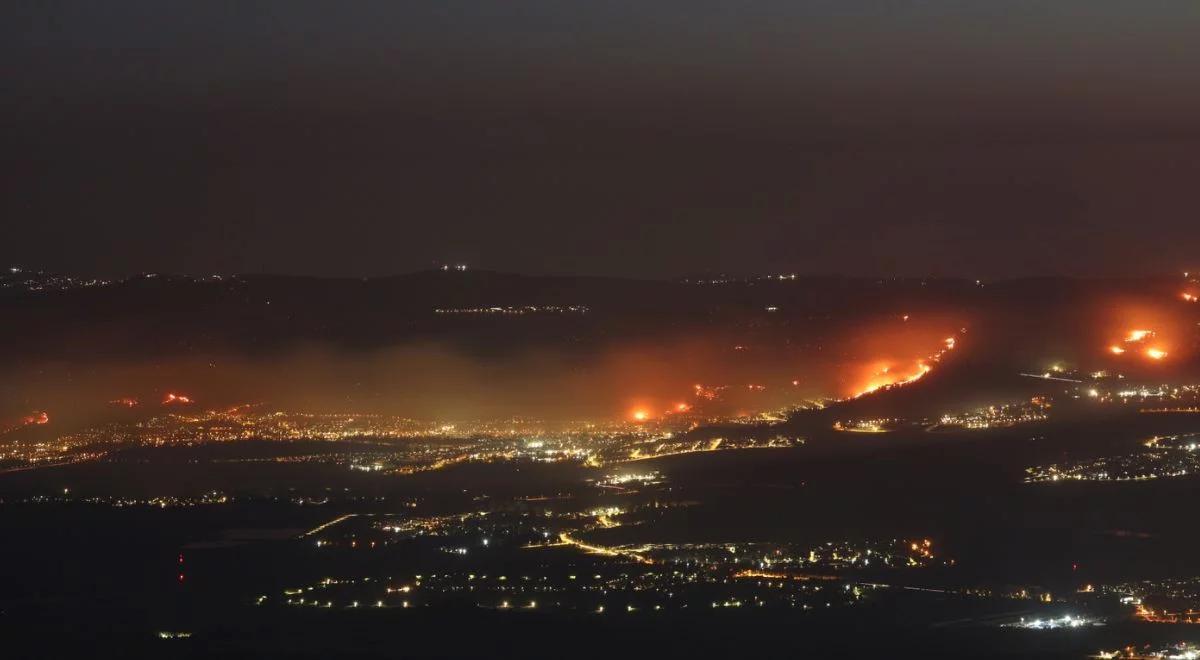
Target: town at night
567 330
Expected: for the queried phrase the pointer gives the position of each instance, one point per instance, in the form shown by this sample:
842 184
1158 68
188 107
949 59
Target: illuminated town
1180 651
1162 457
509 310
600 330
739 493
392 444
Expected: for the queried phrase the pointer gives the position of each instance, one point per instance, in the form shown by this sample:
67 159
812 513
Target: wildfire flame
1135 336
887 375
1141 338
36 418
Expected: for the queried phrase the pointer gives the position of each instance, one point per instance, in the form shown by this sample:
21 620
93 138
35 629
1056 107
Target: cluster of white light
1066 621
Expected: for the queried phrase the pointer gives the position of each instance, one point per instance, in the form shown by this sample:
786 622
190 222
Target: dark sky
647 138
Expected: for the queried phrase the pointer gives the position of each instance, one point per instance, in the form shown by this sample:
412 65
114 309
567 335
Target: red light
36 418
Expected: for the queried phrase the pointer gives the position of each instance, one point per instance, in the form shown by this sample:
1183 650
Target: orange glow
36 418
1190 297
885 377
751 573
1138 335
171 398
1156 332
640 415
128 402
897 369
682 407
1115 350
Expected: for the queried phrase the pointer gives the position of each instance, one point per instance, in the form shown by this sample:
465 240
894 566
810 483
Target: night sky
651 138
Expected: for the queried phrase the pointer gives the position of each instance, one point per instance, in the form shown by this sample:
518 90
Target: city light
1066 621
564 329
